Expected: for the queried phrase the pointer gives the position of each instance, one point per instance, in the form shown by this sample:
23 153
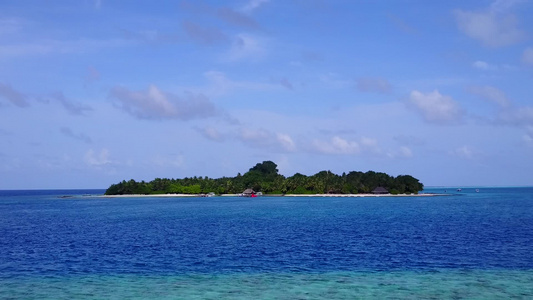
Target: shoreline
277 195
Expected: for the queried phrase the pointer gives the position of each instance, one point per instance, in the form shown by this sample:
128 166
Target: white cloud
254 135
212 134
527 56
465 152
373 85
261 138
405 152
490 93
336 145
369 142
435 107
286 142
484 66
97 159
504 5
253 5
493 27
246 48
402 152
156 104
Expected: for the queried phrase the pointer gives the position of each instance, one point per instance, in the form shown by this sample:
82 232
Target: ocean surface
73 244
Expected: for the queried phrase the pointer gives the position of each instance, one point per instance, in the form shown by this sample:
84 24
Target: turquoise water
467 284
464 245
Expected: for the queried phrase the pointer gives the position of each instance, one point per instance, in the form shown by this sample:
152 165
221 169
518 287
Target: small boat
477 190
459 190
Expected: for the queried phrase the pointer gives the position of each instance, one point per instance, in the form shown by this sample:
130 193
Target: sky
93 92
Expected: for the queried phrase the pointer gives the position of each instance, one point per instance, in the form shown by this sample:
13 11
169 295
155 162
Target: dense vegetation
264 177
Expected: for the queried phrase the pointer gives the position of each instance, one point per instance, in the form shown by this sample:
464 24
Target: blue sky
94 92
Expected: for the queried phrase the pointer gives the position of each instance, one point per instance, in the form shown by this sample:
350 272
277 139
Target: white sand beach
286 195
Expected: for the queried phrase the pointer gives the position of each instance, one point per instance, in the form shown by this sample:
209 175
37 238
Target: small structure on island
380 190
248 193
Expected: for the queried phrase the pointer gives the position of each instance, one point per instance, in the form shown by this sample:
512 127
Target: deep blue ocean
75 244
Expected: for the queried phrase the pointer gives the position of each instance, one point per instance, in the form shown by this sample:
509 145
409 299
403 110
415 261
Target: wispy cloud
246 47
13 96
493 27
402 152
405 151
402 24
484 66
149 36
91 75
154 104
73 107
528 136
335 81
410 140
520 116
373 85
286 84
220 83
261 138
286 142
490 93
225 15
360 146
435 107
527 56
166 161
337 145
465 152
253 5
80 136
504 5
204 35
48 47
211 133
94 159
236 18
10 26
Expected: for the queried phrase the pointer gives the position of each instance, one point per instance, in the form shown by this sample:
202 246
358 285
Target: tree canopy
264 177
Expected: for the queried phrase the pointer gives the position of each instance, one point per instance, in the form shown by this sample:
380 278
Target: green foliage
264 177
394 191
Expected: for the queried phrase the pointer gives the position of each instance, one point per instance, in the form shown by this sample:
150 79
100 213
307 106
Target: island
264 178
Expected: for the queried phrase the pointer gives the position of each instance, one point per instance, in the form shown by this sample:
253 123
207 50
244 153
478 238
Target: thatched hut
248 192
